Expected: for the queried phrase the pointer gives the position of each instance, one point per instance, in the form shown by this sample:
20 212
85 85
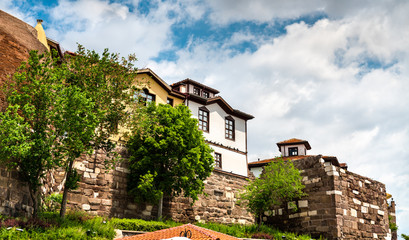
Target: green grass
79 225
141 225
74 226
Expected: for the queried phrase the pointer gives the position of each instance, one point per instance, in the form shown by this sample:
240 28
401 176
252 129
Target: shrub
140 225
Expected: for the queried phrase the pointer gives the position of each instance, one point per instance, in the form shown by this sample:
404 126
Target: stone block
353 213
106 202
88 192
303 203
86 207
94 201
356 201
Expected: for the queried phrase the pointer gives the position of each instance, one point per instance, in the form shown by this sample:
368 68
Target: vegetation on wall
279 183
168 157
59 109
27 133
102 91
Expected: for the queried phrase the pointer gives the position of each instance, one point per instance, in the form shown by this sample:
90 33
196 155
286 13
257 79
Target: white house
224 128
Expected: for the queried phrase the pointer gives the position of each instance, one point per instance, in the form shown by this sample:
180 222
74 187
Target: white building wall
232 161
217 126
302 150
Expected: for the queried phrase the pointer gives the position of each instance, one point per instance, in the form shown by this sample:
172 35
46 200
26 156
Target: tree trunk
34 198
160 207
259 223
65 193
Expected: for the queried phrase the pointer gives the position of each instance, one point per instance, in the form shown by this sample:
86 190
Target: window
217 160
170 101
145 96
293 151
196 91
206 94
229 128
203 119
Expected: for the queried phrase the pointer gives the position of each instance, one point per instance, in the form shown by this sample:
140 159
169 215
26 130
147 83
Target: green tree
168 156
100 91
280 182
406 237
27 135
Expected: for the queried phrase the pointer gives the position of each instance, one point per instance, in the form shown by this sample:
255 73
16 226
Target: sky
335 73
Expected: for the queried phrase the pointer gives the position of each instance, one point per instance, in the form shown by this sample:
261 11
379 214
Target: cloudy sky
335 73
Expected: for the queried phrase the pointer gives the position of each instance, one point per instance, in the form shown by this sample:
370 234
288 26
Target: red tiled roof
197 233
267 161
294 141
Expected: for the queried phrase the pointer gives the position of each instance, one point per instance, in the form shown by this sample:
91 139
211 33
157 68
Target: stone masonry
340 204
104 192
15 199
220 205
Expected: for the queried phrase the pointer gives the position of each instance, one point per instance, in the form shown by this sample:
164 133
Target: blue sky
335 73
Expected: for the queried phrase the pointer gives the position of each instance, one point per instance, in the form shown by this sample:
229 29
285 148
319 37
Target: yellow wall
145 81
41 35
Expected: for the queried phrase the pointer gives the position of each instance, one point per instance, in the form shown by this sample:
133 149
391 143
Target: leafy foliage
392 225
406 237
252 230
27 133
279 183
140 225
52 202
169 156
51 226
100 90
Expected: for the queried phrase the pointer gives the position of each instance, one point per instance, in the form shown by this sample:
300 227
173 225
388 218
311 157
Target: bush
245 231
76 225
140 225
52 203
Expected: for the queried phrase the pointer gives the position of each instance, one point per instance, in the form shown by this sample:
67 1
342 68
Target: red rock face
17 38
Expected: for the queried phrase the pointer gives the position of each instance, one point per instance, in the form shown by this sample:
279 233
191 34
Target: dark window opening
196 91
229 128
203 119
206 94
145 96
170 101
293 151
217 160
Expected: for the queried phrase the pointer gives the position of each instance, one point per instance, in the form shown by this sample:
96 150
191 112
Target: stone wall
220 205
104 192
15 199
340 204
101 191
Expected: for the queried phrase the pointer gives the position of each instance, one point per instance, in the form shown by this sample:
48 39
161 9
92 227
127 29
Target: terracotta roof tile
294 141
266 161
197 233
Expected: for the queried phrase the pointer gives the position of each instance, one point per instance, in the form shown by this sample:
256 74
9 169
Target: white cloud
315 83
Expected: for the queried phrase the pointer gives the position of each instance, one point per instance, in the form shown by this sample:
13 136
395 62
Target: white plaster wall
302 150
217 126
232 161
256 171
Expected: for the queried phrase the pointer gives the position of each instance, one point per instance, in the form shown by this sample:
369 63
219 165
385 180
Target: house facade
224 128
154 88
